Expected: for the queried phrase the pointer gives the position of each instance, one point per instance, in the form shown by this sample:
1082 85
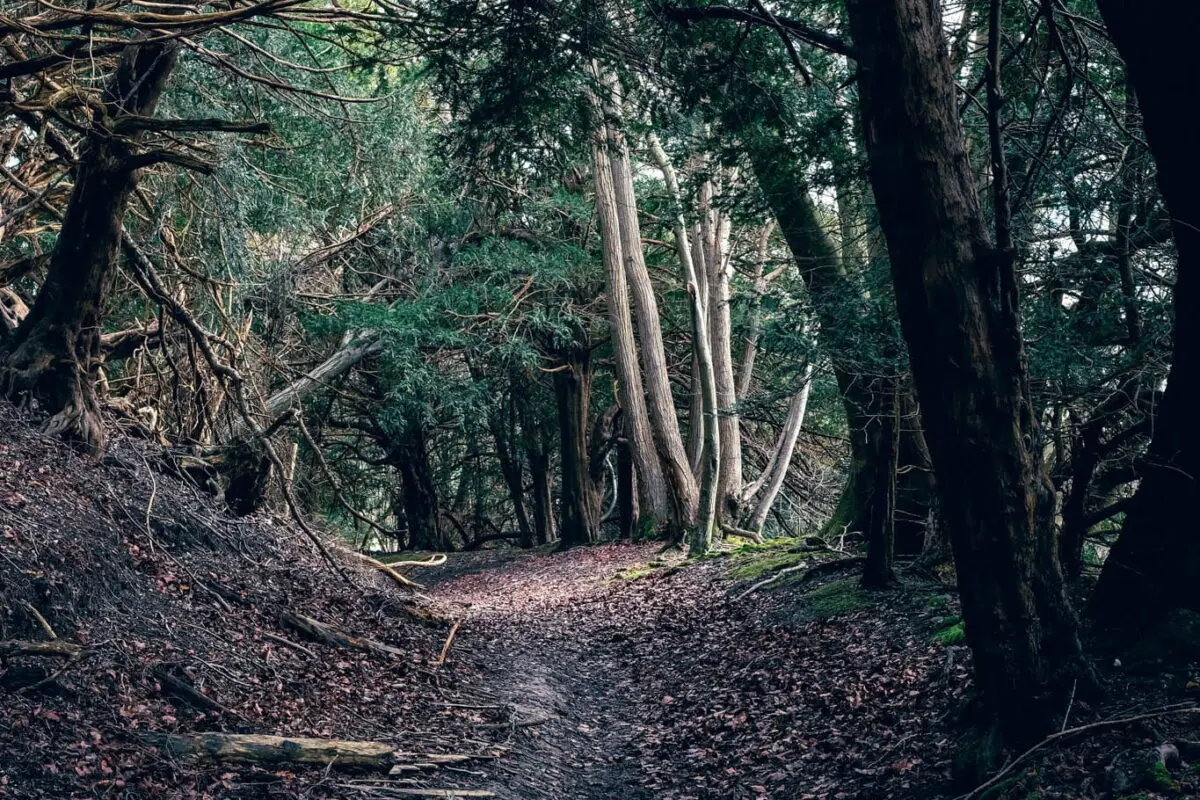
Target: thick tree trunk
572 390
409 455
53 356
663 420
957 299
1155 564
656 504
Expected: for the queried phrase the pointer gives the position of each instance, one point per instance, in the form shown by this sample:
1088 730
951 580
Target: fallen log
335 636
54 649
260 749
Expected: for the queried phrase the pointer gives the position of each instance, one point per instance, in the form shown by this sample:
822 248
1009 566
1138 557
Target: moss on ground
1158 778
638 571
954 632
761 564
837 598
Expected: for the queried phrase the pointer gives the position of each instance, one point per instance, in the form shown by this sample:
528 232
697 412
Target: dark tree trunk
883 435
410 456
1155 564
957 300
572 390
54 354
837 301
627 509
510 469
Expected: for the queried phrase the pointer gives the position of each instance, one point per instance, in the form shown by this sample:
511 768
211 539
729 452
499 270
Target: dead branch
1091 727
55 649
259 749
335 636
446 647
827 566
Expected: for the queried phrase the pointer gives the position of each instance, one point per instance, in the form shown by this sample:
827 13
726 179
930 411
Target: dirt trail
562 699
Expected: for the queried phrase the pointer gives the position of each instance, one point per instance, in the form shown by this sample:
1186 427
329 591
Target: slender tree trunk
716 226
510 469
572 390
700 540
1155 564
55 353
771 481
754 318
626 491
543 504
957 299
883 434
655 501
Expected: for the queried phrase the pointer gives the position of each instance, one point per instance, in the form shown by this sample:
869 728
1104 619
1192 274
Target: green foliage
954 633
1158 778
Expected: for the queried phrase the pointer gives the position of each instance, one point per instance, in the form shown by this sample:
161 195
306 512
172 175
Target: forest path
561 696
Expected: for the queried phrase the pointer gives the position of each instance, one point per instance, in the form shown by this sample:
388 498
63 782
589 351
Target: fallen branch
446 647
387 569
731 530
54 649
828 566
37 615
258 749
1091 727
335 636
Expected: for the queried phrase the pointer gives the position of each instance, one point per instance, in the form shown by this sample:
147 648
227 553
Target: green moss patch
756 565
954 632
837 598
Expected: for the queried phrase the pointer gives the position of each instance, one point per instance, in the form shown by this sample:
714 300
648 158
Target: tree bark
1155 564
572 390
771 481
663 420
957 299
701 536
655 501
54 355
409 455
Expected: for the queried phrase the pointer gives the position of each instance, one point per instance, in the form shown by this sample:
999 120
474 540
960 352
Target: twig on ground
446 647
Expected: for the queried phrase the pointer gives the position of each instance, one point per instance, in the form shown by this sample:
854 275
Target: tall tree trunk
655 501
543 504
1155 564
55 353
572 390
716 227
513 474
883 435
700 540
957 299
663 420
409 455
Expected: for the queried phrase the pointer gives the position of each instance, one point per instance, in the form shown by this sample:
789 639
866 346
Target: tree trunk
754 317
883 436
543 504
410 457
655 501
54 354
771 481
572 390
957 300
700 539
663 420
1155 564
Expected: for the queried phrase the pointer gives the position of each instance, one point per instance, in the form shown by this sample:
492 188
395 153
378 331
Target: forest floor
612 671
